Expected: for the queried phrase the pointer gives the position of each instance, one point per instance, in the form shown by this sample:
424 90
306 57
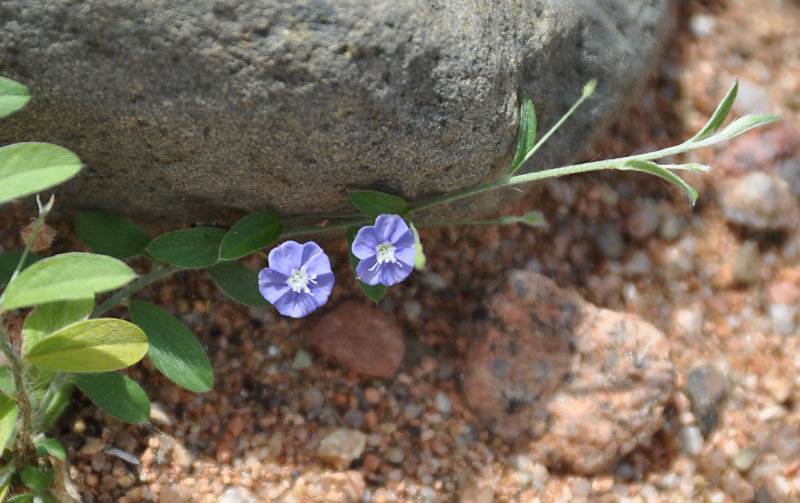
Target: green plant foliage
13 96
372 203
117 394
30 167
174 349
21 498
373 292
98 345
719 115
36 478
47 318
251 234
238 281
532 219
56 405
419 253
9 261
198 247
526 134
111 235
46 446
8 417
7 384
66 276
661 172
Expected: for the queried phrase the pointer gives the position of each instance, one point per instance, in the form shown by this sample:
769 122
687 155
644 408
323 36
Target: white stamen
299 279
384 252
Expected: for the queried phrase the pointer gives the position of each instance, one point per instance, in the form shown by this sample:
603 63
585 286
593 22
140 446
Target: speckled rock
183 108
706 388
759 202
575 386
362 338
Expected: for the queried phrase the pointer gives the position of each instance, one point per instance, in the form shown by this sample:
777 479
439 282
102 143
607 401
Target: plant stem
134 287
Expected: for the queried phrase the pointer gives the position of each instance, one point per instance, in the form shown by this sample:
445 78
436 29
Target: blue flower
298 279
386 251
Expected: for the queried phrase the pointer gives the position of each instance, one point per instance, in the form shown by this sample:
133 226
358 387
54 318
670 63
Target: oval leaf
8 418
238 281
46 446
55 407
372 203
47 318
250 234
64 277
174 349
111 234
117 394
9 262
37 479
198 247
373 292
13 96
98 345
526 134
30 167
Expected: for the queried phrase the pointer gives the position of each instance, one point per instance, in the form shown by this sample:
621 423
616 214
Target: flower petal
286 257
391 274
391 228
368 271
367 239
295 305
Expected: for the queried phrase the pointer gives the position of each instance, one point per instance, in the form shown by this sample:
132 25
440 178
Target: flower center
384 252
299 279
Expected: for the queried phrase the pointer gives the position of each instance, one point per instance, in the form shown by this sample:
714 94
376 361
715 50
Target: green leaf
7 385
661 172
30 167
532 218
251 234
46 446
98 345
13 96
743 124
526 134
9 261
419 253
111 235
8 418
719 115
47 318
117 394
372 203
57 404
198 247
373 292
174 349
21 498
64 277
35 478
238 281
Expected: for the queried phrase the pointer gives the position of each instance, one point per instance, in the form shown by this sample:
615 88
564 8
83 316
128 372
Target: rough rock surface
575 386
182 108
360 337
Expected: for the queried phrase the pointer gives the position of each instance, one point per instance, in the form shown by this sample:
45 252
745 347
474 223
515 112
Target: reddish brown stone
360 337
575 386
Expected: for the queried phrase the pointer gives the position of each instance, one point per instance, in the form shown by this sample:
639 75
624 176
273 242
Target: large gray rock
182 108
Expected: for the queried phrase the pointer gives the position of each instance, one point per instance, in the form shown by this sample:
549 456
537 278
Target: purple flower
298 279
386 250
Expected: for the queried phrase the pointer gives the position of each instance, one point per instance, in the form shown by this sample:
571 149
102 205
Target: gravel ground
721 280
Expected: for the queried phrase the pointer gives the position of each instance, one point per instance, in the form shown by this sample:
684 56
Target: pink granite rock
360 337
575 386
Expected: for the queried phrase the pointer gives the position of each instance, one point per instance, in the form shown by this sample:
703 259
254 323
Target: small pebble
744 459
639 264
759 201
341 446
670 228
645 220
441 402
354 418
691 439
302 360
236 495
413 309
783 318
746 266
609 241
702 25
433 281
395 455
790 172
706 388
312 399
